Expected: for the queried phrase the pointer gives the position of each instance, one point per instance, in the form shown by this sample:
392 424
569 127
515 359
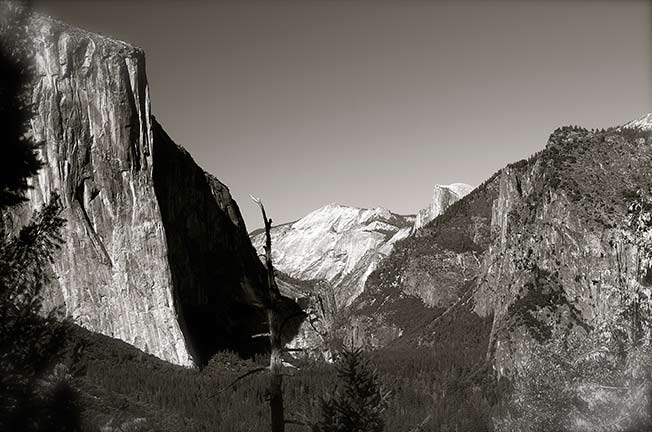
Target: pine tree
19 160
359 404
28 340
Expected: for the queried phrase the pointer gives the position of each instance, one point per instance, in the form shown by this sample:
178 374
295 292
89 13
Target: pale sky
371 103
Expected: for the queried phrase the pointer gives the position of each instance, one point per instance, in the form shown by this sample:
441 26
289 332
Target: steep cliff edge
156 253
443 196
544 273
567 281
217 277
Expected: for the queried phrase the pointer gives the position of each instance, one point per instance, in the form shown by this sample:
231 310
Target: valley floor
121 387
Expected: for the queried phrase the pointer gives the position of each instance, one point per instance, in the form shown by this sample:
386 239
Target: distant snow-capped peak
644 122
336 243
343 244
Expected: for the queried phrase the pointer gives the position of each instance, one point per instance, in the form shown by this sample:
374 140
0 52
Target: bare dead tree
275 321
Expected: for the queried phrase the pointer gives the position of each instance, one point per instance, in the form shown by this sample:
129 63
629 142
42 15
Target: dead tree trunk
275 323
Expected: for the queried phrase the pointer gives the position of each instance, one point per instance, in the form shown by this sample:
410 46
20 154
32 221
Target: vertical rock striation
567 282
156 252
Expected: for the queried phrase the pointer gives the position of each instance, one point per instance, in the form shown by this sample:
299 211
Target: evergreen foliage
441 381
359 404
29 401
19 160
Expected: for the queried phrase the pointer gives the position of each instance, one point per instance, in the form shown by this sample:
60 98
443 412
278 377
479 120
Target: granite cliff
342 245
156 252
567 282
545 270
442 198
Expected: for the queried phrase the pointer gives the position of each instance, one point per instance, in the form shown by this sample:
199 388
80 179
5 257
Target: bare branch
241 377
275 338
421 425
260 335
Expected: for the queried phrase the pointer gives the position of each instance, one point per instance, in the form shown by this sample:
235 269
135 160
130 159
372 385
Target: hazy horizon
373 103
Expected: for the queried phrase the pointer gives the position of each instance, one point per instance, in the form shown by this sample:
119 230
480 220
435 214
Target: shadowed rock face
216 274
156 252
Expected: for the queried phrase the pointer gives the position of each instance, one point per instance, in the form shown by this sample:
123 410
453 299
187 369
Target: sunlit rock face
338 244
554 255
442 198
156 252
567 281
342 245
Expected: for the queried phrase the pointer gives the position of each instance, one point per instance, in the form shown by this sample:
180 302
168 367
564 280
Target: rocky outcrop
442 198
544 270
547 265
567 283
156 252
644 122
315 336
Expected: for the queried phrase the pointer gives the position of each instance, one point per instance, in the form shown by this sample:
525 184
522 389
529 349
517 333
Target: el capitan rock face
156 252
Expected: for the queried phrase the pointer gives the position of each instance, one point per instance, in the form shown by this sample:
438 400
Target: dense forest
433 387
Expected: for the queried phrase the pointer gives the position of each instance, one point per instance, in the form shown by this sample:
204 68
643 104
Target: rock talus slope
153 245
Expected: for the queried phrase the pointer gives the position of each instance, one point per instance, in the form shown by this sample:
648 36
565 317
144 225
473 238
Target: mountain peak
644 122
442 197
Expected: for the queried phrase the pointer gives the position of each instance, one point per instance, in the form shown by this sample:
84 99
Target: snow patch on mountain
644 122
343 245
339 244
